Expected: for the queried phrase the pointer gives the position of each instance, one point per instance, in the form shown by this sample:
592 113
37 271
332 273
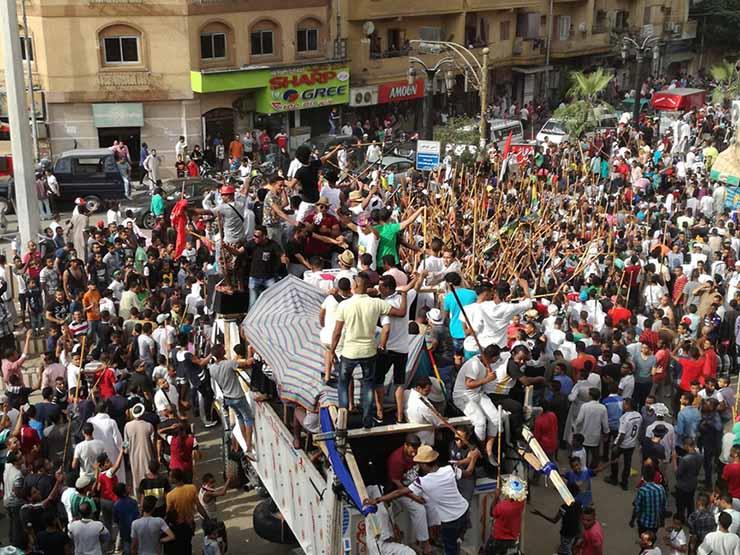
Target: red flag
179 219
507 145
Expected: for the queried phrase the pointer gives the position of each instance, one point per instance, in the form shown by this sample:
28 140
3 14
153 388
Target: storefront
119 121
296 99
400 97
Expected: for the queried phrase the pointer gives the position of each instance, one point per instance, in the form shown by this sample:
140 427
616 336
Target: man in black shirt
307 177
57 311
265 257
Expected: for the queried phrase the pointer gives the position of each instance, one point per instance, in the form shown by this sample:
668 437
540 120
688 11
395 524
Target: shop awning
729 179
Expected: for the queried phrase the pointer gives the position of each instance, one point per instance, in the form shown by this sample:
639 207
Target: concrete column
26 199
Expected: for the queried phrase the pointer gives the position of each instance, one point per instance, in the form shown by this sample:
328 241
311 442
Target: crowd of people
588 291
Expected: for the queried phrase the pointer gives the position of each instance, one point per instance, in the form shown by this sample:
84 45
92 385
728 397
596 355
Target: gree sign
400 90
302 88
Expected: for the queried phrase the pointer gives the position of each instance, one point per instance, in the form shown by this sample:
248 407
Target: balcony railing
391 53
125 79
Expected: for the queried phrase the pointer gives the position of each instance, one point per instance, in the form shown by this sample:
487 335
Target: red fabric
577 363
593 540
108 486
179 219
690 370
662 358
193 169
106 380
398 464
546 431
650 338
731 475
181 453
710 364
633 273
507 519
507 145
29 439
619 314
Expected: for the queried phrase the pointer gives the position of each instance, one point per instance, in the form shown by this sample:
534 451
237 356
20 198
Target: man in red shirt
105 379
731 475
582 356
183 449
691 369
402 470
546 431
507 523
619 313
592 537
679 284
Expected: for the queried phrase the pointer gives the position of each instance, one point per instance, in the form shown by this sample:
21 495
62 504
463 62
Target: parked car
399 165
196 188
554 131
91 174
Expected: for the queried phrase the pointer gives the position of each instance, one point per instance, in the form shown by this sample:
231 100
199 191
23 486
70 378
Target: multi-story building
153 71
150 72
530 41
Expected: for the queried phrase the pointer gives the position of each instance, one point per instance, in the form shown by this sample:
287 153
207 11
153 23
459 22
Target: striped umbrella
283 327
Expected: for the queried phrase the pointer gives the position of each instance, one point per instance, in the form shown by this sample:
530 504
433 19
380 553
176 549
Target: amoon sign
400 90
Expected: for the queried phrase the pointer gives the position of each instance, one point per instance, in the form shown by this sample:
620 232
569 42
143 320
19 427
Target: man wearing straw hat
437 486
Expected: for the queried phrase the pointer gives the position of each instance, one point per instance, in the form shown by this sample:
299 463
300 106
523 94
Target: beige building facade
149 72
121 69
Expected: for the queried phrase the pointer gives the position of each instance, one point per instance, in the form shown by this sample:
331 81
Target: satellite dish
368 28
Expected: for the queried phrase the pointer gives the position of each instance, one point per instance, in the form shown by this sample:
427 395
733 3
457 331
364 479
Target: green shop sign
304 87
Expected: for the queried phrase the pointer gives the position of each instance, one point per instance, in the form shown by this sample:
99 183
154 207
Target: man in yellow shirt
710 154
357 318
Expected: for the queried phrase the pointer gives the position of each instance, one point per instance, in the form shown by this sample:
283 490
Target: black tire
148 220
270 527
93 204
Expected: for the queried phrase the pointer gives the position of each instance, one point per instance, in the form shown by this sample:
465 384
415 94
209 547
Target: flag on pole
179 219
507 145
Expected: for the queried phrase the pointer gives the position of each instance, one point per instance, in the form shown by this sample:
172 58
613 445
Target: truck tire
93 203
270 527
148 220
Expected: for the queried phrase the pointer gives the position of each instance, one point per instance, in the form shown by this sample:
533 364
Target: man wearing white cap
164 335
138 435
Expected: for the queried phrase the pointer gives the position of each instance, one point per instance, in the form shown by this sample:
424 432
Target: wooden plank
354 470
407 428
554 476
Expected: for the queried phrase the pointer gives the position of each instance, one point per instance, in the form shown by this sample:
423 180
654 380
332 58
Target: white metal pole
29 48
26 199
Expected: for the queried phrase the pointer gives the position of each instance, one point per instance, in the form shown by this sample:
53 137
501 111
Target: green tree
719 21
581 113
727 82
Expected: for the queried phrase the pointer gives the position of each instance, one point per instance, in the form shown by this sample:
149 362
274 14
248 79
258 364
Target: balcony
488 5
522 49
126 80
580 45
384 9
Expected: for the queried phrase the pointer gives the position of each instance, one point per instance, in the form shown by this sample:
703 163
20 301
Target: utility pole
27 49
27 206
483 129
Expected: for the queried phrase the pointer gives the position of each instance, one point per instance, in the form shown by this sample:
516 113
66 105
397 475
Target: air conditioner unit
582 27
518 47
363 96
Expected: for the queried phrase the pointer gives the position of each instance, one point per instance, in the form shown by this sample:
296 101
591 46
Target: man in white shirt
468 394
627 383
164 335
106 430
593 423
87 451
624 445
373 153
166 400
393 345
496 314
723 504
721 542
418 410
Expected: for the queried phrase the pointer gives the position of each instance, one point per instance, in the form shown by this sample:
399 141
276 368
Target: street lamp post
431 73
472 67
640 49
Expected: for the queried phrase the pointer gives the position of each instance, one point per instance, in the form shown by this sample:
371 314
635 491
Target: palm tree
588 86
727 82
581 113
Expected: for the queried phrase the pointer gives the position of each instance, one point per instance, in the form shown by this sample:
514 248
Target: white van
554 131
500 129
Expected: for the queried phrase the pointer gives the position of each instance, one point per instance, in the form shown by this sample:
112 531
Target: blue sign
427 155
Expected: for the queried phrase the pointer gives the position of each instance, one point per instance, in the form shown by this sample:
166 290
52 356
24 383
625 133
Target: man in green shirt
388 233
156 207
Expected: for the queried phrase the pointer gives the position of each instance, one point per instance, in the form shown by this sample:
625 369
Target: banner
305 87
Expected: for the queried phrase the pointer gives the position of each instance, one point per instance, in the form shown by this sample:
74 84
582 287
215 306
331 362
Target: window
430 33
121 50
88 166
308 40
262 43
213 46
564 27
621 21
504 30
26 49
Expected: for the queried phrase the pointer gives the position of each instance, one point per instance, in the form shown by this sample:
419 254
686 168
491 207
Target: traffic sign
427 155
